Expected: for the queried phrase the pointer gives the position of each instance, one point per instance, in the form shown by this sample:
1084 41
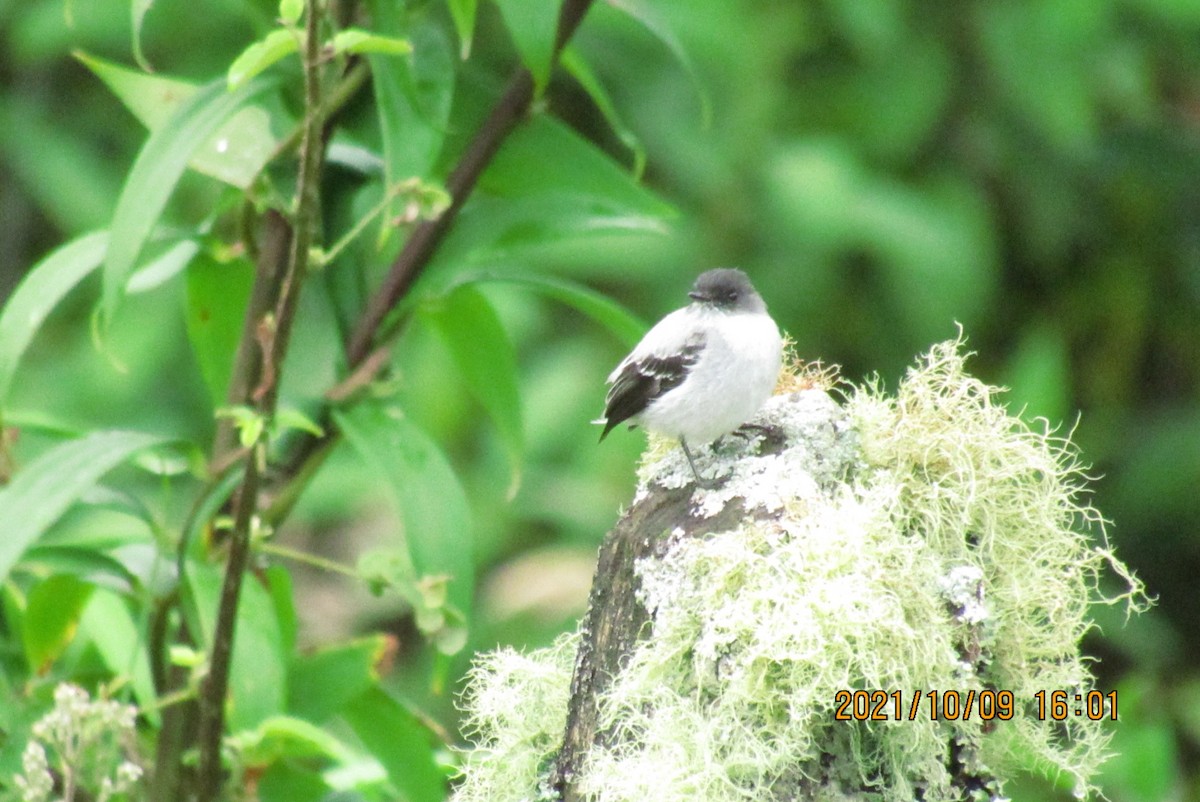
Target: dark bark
616 619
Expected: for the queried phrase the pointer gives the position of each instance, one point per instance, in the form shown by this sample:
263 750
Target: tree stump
671 509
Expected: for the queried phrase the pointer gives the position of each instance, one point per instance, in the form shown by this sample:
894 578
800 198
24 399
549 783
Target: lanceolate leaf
321 683
580 193
290 11
43 490
533 25
399 742
463 13
483 354
650 18
234 153
151 98
84 562
52 617
581 71
433 508
262 54
155 173
412 99
40 291
578 170
217 293
112 628
608 313
138 9
356 40
258 670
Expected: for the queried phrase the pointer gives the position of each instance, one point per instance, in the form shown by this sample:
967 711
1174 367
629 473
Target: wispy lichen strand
957 553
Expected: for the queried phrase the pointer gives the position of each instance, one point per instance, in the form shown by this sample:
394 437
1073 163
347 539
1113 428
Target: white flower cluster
87 737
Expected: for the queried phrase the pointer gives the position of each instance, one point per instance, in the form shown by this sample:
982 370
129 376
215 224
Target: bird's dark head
726 289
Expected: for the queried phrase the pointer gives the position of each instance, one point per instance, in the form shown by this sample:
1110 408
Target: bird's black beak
697 296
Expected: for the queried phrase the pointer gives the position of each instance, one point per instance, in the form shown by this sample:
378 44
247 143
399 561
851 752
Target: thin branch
278 321
269 268
216 683
427 236
341 94
311 560
364 346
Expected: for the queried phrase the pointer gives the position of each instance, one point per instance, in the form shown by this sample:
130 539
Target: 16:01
1094 705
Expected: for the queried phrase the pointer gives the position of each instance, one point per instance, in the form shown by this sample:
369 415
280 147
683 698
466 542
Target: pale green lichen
957 554
516 706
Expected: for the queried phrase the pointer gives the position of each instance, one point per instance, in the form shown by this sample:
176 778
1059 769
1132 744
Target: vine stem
273 333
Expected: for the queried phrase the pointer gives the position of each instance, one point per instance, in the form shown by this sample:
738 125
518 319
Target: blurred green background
883 169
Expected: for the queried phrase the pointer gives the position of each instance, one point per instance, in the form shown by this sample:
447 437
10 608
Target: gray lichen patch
921 541
798 446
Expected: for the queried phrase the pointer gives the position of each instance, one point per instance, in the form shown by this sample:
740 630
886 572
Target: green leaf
433 508
605 311
581 71
161 269
579 173
44 489
321 683
12 607
52 614
356 40
389 569
463 14
280 737
412 100
656 24
110 626
217 294
290 11
292 418
154 174
234 154
288 781
472 331
248 421
398 740
151 98
38 293
257 673
279 585
138 9
260 55
533 25
581 193
84 562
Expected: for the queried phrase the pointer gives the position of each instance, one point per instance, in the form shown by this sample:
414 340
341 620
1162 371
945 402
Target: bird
702 371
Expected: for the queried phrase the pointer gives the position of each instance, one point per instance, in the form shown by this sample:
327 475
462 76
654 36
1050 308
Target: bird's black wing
642 380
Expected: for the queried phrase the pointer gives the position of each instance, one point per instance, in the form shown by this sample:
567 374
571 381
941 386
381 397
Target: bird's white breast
729 383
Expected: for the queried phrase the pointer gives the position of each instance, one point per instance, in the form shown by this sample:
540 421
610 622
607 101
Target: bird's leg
701 482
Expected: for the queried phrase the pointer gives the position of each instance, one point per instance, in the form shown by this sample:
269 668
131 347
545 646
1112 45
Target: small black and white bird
703 370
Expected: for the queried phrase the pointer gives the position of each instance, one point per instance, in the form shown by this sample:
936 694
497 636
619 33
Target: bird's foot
749 430
770 439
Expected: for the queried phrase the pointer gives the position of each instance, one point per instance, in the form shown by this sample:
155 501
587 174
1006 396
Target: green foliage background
882 168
